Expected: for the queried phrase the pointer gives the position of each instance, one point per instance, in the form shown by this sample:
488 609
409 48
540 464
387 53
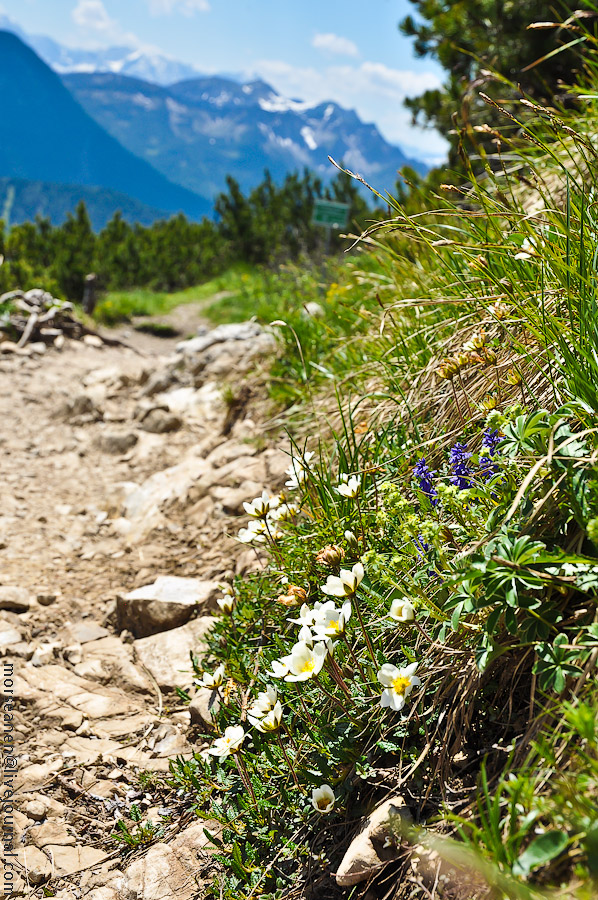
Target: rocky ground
123 474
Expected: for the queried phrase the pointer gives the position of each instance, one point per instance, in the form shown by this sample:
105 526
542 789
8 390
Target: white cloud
334 43
186 7
374 90
91 15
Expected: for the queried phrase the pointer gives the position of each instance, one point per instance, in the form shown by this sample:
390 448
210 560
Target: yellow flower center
400 684
334 624
309 665
323 802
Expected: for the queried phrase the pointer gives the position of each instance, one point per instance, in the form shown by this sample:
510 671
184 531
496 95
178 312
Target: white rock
241 331
165 604
8 634
15 599
367 852
167 655
44 654
168 871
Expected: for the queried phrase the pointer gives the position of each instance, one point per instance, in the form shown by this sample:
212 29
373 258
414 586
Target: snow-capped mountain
146 64
195 131
199 131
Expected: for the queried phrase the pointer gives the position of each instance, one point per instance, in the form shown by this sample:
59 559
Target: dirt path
118 469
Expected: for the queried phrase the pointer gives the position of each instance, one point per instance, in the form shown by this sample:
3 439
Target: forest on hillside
272 224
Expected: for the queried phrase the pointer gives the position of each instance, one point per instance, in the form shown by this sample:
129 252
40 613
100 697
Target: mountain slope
150 65
200 130
22 201
45 135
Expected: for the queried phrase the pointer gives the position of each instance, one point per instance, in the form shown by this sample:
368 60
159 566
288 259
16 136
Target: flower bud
294 596
351 540
331 556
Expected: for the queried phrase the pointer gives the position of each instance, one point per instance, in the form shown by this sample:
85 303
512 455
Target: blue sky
314 50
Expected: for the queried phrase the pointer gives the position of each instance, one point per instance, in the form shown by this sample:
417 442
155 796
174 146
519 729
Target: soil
93 728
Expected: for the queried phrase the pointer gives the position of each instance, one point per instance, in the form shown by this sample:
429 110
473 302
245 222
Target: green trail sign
333 215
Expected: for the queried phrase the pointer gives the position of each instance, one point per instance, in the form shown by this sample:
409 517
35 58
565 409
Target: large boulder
167 603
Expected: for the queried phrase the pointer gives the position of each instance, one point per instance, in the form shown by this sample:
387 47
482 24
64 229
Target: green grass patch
122 306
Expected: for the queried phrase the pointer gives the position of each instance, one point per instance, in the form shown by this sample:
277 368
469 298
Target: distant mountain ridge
201 130
46 136
147 64
23 200
157 148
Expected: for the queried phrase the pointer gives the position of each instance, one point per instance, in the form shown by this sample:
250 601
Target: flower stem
338 677
240 764
354 658
288 761
364 630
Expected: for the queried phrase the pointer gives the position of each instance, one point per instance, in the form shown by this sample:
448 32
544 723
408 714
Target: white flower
271 721
346 583
349 487
298 470
212 681
230 742
280 667
284 512
322 799
305 662
261 506
398 683
226 588
332 621
527 250
306 616
274 533
226 603
265 702
305 635
255 533
401 610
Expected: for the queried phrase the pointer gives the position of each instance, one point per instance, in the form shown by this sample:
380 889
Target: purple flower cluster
461 472
490 441
420 545
426 484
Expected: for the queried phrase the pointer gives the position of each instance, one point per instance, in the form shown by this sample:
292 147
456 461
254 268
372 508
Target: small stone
46 599
92 340
168 870
85 632
22 650
43 655
158 382
52 832
116 442
37 864
14 598
167 655
204 707
35 810
73 654
375 844
167 603
68 860
161 421
9 635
